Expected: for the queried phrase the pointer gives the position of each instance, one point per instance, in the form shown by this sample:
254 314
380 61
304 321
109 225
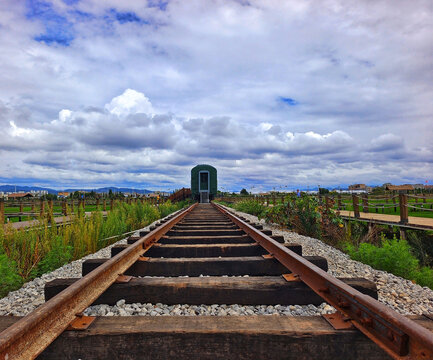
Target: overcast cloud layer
272 93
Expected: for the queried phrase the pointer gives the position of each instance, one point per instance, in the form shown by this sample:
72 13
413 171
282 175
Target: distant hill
19 188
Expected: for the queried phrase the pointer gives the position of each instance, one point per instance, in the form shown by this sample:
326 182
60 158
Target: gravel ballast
400 294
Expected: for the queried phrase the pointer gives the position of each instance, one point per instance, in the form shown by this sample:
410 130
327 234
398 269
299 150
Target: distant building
20 195
400 188
418 186
357 187
63 194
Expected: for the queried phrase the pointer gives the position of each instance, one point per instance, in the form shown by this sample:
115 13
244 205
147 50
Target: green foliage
394 256
250 206
244 192
9 279
167 208
276 214
304 216
59 255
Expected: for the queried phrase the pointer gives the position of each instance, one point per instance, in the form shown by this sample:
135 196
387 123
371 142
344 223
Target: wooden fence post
42 208
395 203
355 205
105 205
50 203
97 204
21 205
64 212
327 203
339 202
72 206
33 206
404 210
2 211
365 203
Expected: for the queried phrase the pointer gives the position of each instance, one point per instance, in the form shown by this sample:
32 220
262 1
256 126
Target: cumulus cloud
130 102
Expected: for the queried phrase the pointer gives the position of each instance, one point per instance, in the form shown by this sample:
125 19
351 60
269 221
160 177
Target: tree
323 191
244 192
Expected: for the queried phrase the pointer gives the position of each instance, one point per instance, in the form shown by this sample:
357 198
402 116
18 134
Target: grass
28 253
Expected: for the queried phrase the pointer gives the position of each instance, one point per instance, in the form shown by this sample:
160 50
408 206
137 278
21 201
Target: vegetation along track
207 240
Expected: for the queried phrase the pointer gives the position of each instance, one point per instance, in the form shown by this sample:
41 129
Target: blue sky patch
70 2
124 17
288 101
161 4
57 28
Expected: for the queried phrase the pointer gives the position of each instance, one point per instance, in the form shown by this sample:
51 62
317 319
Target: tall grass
28 253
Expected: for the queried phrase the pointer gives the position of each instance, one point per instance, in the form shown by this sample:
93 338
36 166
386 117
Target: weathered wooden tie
233 266
269 290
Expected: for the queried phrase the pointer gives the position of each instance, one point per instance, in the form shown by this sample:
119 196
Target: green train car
203 183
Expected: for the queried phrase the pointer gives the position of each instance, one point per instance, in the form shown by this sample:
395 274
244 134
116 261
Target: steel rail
400 337
29 336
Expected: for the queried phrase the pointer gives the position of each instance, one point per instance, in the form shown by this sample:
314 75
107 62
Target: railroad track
186 260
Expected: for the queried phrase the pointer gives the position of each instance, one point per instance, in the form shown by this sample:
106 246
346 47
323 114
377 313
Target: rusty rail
400 337
28 337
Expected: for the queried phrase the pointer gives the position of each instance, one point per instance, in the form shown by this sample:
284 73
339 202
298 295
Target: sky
274 94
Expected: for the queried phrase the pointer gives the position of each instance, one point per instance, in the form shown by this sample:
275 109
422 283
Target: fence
400 204
33 208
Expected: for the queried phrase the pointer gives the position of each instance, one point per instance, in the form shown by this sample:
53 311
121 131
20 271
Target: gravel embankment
400 294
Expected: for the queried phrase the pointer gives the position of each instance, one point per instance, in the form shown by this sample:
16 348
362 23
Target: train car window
204 181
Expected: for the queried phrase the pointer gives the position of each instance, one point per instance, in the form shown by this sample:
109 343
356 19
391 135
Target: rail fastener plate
338 321
81 322
291 277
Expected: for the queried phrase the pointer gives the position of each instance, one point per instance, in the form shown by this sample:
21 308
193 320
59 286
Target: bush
276 214
9 279
394 256
250 207
59 255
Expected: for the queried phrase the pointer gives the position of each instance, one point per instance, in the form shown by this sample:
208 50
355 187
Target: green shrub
9 279
276 214
424 277
59 255
305 216
167 208
250 207
394 256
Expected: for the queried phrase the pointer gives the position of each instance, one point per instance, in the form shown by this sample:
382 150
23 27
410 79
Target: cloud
387 142
139 92
130 102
